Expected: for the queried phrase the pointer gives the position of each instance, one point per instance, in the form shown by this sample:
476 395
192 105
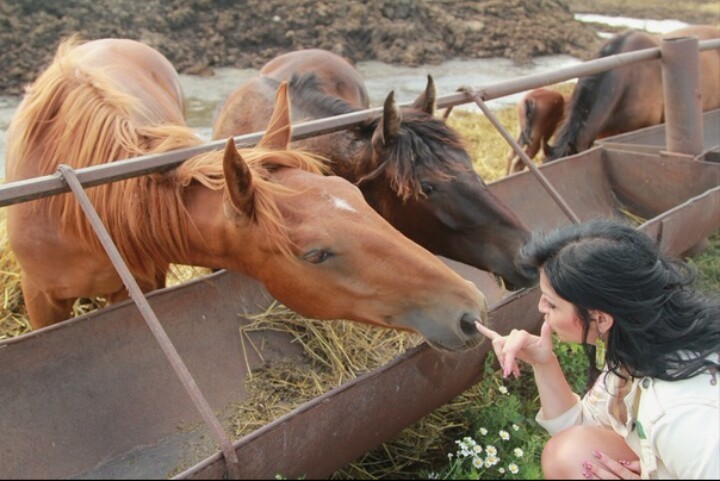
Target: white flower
450 455
513 468
483 431
491 450
515 427
491 460
518 452
477 448
501 470
502 389
433 476
477 462
504 435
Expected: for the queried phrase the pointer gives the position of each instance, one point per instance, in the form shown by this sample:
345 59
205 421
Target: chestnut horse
411 167
269 212
539 113
631 97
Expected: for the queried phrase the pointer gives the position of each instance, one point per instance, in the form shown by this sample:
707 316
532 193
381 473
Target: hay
333 353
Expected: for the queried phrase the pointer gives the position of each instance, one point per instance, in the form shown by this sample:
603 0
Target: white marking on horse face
339 203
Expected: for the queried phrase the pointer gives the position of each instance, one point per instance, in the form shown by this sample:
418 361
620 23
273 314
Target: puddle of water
654 26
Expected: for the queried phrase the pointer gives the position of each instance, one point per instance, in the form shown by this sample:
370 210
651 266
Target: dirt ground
197 35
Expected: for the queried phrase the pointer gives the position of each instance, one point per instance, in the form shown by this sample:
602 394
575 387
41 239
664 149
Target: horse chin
516 282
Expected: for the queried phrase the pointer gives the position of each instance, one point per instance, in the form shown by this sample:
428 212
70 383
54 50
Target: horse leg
43 308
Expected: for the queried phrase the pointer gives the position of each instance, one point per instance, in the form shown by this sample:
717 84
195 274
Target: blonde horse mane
78 116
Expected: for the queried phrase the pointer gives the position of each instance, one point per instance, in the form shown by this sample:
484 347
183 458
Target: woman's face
559 313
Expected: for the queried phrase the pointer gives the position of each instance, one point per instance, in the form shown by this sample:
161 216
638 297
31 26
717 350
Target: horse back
709 62
335 75
140 71
84 81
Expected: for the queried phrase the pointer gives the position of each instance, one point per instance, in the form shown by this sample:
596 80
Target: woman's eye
317 256
427 188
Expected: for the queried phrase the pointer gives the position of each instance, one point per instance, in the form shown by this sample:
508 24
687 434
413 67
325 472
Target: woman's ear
604 321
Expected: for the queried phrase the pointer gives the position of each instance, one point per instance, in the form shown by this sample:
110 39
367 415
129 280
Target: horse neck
590 107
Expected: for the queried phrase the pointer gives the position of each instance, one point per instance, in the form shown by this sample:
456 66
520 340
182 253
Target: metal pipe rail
43 186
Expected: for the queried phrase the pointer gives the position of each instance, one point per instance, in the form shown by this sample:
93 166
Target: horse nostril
467 325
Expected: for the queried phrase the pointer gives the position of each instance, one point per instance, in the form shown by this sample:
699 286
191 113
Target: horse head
319 248
422 180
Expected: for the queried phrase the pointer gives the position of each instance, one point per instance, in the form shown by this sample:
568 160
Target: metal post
153 323
682 95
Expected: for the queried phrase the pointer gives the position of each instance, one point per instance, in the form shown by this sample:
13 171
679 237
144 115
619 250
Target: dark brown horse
631 97
411 167
269 212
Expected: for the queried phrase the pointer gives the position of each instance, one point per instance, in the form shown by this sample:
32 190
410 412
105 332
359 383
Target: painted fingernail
587 474
597 453
623 462
587 465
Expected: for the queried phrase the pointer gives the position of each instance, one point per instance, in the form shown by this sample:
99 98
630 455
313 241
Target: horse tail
592 102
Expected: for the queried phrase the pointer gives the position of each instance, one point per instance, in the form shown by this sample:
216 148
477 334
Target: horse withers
410 165
269 212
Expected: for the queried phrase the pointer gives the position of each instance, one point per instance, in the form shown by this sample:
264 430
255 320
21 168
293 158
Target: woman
654 410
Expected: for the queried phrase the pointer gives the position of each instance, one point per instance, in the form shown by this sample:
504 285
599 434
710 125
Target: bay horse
269 212
539 113
631 97
410 165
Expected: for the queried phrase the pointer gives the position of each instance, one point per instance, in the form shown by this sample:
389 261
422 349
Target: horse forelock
423 143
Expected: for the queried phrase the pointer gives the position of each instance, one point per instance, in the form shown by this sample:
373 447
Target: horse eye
317 256
427 188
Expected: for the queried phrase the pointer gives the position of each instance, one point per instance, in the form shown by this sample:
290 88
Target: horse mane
306 93
586 96
423 141
77 115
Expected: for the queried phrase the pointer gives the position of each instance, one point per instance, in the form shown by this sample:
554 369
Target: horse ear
238 180
426 100
279 131
389 124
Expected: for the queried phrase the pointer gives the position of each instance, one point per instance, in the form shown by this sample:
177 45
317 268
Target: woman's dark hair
663 327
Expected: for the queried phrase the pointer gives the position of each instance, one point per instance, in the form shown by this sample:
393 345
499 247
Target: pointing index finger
486 331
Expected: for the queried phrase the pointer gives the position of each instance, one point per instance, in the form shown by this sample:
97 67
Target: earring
600 350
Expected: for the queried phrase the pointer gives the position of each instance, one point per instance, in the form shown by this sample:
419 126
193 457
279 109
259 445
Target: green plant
504 440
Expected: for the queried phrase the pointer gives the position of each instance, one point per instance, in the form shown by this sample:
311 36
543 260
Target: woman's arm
556 396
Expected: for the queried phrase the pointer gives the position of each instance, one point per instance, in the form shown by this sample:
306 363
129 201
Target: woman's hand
607 468
520 345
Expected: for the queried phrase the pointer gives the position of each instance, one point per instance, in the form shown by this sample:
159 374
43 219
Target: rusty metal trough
95 397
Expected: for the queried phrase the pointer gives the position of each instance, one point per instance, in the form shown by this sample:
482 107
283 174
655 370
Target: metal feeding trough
95 396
